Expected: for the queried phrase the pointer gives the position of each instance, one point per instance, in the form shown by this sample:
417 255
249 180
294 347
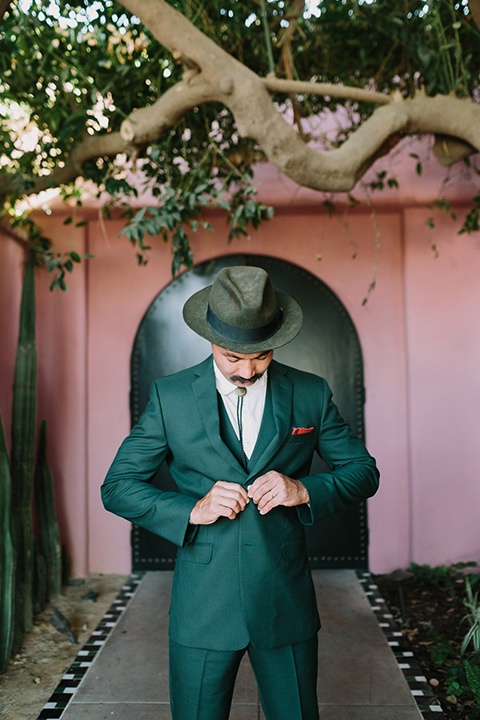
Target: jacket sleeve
353 475
126 490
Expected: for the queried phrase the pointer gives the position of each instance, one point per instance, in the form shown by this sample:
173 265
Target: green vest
229 436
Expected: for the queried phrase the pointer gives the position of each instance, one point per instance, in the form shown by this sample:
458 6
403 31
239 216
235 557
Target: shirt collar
225 387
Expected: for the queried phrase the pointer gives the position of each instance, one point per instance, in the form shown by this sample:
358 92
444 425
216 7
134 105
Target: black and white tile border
69 683
427 703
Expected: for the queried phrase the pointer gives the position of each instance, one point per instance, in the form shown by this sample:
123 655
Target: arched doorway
327 345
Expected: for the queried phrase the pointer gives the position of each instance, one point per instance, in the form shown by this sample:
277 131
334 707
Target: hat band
244 335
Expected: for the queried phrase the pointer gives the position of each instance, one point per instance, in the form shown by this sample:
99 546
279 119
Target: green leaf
53 264
203 200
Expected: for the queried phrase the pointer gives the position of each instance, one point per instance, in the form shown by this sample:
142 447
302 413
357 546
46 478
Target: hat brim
195 314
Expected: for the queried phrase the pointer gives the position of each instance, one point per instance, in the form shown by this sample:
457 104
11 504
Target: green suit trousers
202 681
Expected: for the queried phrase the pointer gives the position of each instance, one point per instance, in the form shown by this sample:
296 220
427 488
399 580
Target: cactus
23 452
39 586
28 570
49 539
7 559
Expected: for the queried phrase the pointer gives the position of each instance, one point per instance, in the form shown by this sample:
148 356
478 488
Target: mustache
239 378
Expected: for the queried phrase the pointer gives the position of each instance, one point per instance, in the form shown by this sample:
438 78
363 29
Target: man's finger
267 503
229 498
222 500
230 489
263 484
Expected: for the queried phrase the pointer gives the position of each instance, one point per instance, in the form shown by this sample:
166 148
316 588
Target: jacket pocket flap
293 549
197 552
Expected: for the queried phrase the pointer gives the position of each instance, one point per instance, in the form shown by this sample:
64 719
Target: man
239 431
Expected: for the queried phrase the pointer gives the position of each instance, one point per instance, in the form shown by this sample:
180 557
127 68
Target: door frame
150 552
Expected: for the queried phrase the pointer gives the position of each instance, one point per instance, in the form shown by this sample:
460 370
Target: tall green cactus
21 557
47 524
23 452
7 558
39 589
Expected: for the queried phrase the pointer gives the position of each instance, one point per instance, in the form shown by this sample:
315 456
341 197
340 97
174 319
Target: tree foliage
181 100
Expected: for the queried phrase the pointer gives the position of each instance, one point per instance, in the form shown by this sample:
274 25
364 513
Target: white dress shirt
253 406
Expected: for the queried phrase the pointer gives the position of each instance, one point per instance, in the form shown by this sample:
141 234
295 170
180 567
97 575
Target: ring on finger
271 494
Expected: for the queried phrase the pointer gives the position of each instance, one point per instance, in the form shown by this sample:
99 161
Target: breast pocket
307 437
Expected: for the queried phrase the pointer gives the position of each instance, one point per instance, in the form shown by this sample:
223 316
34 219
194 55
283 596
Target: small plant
450 577
440 649
472 604
472 665
472 672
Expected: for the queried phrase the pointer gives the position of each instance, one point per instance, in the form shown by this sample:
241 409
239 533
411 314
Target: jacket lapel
276 423
205 392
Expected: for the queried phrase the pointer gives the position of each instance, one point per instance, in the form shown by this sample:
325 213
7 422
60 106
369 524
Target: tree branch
287 59
254 112
106 145
147 124
326 89
215 76
256 117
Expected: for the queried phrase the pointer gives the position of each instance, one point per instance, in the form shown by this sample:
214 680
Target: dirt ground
46 653
434 625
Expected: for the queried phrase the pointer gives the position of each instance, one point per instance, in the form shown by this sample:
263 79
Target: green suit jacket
242 580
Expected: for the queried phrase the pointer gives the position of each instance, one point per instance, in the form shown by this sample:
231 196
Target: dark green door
327 345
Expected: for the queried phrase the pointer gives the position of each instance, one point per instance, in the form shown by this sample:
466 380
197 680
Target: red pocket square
302 431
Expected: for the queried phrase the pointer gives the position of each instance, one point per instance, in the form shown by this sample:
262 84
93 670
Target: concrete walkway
359 676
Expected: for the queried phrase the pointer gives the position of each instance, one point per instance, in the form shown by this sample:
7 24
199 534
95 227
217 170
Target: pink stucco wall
419 335
443 360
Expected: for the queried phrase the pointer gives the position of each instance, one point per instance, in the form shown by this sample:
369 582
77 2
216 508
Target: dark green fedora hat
243 312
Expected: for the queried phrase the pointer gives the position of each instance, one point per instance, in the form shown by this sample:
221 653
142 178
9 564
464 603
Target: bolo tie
241 392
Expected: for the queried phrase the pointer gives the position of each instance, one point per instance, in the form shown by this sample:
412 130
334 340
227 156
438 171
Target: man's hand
225 499
274 488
